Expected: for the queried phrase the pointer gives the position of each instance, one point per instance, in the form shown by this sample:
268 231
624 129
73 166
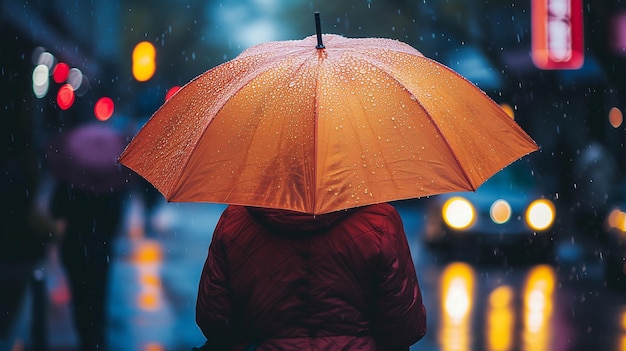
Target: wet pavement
153 284
158 261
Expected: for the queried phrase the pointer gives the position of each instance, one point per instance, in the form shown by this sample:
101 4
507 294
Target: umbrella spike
318 30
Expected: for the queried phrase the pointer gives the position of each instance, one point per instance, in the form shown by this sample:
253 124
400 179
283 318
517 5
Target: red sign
557 34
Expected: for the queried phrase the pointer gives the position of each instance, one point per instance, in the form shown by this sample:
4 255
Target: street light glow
144 61
103 108
65 96
60 72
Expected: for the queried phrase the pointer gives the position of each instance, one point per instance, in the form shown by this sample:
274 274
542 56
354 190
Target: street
561 307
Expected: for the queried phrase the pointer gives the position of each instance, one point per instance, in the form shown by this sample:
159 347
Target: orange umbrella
321 125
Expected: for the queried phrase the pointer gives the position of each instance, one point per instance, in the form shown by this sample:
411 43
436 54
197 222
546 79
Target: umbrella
86 157
323 124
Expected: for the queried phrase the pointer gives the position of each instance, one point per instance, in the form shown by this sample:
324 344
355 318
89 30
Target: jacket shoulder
383 217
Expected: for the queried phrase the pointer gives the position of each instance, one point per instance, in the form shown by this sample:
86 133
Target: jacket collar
290 221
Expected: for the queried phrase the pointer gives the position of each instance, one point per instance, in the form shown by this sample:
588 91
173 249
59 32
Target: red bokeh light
104 108
65 96
60 72
171 92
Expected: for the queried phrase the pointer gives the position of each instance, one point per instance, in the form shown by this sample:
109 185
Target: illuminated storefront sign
557 34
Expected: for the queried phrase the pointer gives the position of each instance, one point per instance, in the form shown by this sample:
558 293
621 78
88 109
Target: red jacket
292 281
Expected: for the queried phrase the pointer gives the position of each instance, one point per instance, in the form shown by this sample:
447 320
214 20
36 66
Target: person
283 280
91 221
25 229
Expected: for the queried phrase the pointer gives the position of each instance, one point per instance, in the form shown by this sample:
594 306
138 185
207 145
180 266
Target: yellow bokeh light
144 61
538 305
148 252
458 213
457 296
500 211
617 220
148 301
500 319
540 214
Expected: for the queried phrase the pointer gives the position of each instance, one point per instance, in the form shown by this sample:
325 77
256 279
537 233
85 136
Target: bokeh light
75 78
458 213
616 117
500 211
171 92
37 52
457 296
540 214
46 58
65 96
60 72
538 308
617 220
103 108
500 319
144 61
84 86
41 80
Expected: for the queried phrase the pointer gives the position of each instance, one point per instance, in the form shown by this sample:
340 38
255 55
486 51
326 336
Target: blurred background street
497 306
537 261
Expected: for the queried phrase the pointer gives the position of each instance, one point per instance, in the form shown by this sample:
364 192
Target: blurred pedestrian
283 280
24 228
88 198
24 232
92 222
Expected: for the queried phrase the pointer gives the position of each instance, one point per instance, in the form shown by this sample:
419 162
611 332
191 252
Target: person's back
290 281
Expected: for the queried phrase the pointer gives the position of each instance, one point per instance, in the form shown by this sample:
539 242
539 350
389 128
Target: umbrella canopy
86 157
316 128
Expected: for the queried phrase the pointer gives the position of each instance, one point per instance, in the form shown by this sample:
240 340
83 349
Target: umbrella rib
242 84
376 63
363 109
279 137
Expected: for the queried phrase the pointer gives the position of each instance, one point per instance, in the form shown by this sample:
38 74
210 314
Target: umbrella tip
318 30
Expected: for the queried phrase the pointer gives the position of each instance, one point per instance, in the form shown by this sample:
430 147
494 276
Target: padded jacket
283 280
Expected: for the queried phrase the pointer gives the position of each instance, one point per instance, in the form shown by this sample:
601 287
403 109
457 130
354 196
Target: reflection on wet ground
561 307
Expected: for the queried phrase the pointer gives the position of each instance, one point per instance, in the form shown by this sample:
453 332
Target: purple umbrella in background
86 157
